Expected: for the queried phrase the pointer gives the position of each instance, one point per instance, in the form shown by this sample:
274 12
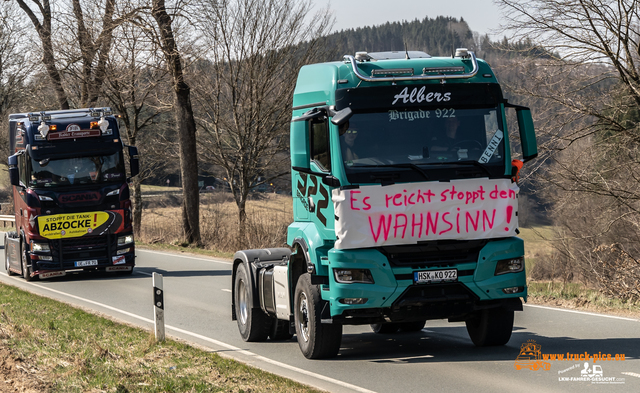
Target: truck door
317 193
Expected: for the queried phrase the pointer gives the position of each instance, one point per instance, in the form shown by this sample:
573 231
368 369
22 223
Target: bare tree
95 52
133 82
588 93
15 66
185 123
245 85
44 30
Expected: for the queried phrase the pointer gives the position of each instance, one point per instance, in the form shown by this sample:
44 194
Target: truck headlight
349 276
122 240
513 265
123 251
40 247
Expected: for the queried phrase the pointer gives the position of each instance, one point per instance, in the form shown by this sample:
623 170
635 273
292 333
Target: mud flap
326 314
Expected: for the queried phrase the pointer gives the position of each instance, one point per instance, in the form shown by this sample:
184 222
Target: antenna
406 52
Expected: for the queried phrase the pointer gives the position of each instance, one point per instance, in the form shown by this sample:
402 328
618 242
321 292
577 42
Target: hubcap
242 302
24 261
303 317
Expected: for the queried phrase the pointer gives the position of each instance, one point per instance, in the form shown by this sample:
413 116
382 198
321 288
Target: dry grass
579 296
268 216
50 346
537 245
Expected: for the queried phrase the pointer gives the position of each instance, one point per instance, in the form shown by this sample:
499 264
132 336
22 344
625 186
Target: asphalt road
439 358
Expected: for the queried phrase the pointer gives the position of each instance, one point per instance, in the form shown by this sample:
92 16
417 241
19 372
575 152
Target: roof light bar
442 70
392 71
372 78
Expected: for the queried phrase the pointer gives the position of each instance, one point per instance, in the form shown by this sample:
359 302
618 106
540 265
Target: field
537 245
268 216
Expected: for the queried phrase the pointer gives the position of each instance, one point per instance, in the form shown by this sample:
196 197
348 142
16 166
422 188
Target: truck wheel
385 328
254 324
280 330
26 270
490 327
414 326
316 340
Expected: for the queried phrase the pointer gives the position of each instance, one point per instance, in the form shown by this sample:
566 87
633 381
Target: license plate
433 276
92 262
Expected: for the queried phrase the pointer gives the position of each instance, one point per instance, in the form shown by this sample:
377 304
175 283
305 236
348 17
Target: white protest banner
372 216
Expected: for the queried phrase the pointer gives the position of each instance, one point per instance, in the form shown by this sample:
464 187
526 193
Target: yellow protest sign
71 225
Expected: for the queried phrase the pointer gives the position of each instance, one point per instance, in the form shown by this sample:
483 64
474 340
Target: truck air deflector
400 77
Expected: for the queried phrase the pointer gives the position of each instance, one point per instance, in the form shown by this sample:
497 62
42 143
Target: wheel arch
254 261
298 265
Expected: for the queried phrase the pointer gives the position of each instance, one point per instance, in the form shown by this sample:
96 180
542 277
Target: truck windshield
423 139
50 173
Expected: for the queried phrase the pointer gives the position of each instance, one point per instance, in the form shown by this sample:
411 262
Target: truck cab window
77 171
22 165
320 144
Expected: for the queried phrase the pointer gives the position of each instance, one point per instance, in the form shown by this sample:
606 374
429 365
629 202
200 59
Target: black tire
24 255
385 328
254 325
414 326
490 327
279 330
316 340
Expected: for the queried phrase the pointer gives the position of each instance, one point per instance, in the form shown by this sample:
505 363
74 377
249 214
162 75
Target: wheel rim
242 302
303 317
24 260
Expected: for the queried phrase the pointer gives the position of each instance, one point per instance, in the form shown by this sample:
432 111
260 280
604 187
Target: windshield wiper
403 165
466 162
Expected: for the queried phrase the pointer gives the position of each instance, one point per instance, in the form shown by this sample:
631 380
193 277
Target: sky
481 15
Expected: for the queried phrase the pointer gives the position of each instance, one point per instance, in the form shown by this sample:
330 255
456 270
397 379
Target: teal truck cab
405 206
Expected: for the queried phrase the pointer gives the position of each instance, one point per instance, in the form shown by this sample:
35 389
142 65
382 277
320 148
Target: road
439 358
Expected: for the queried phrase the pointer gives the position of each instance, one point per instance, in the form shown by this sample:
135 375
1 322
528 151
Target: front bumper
86 252
395 297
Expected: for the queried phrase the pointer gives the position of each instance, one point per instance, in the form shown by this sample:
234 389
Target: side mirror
331 181
342 116
300 154
527 134
14 174
134 161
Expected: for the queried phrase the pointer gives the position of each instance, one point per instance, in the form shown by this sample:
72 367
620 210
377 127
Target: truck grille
436 253
83 248
434 301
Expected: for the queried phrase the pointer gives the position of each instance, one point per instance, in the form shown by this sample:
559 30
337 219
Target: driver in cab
348 136
447 141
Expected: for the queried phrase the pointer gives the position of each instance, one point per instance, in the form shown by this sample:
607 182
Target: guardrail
6 219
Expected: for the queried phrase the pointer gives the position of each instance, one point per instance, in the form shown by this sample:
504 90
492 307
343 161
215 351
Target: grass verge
579 296
64 349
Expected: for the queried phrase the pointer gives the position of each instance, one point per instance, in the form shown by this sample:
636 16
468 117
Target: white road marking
188 257
215 342
582 312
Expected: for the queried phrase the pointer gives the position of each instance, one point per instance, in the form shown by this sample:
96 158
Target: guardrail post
158 307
